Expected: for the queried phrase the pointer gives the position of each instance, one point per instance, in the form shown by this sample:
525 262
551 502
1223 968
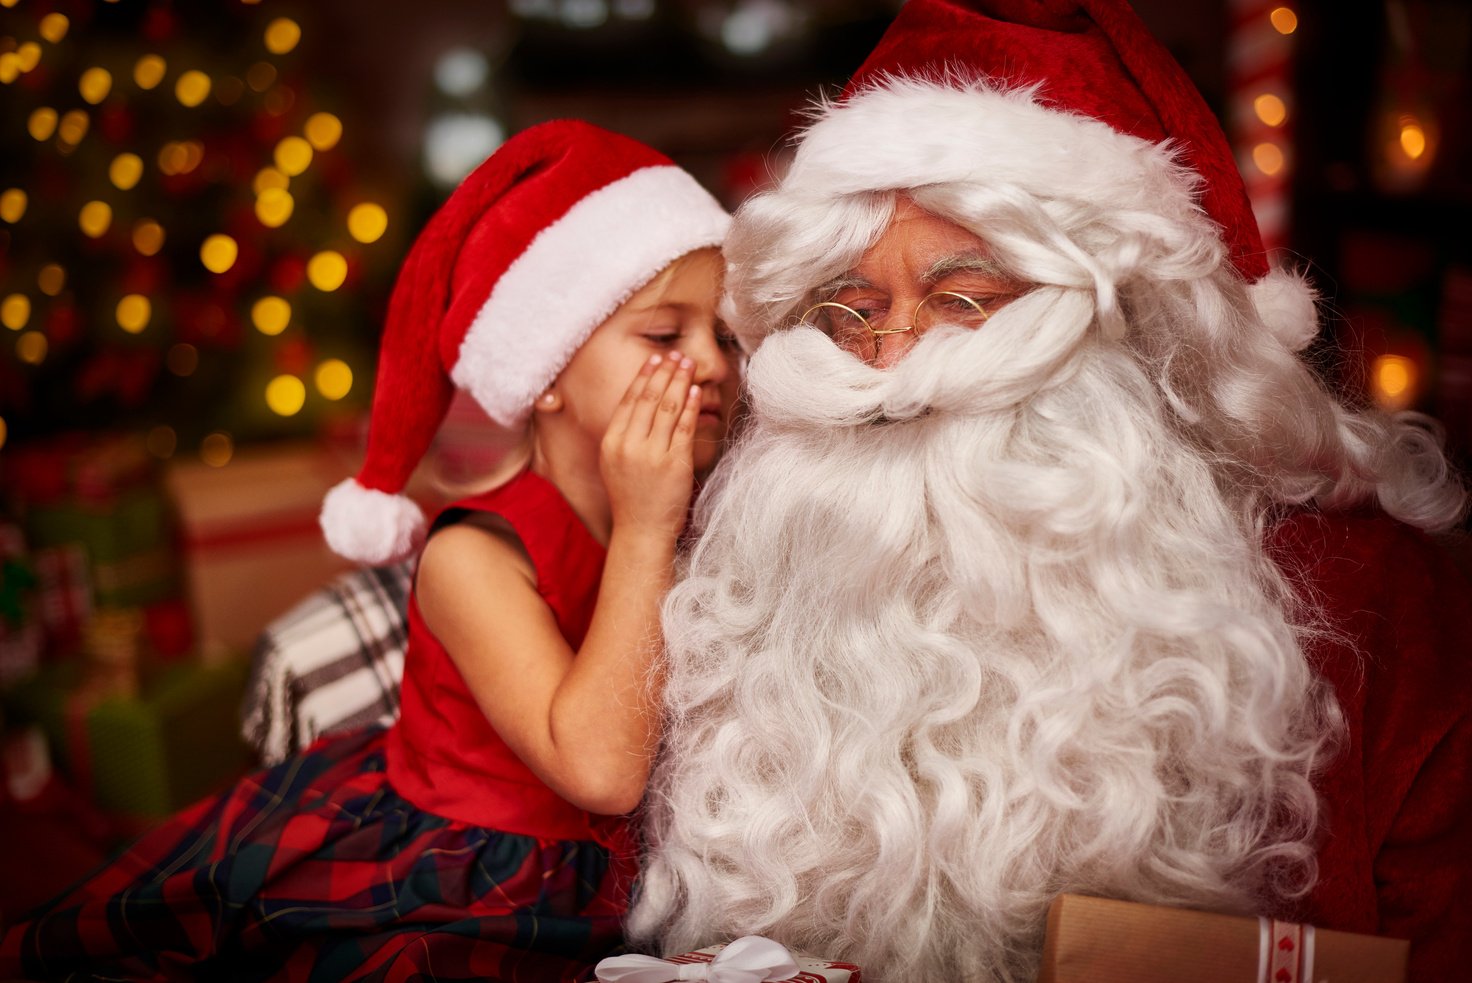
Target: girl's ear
549 402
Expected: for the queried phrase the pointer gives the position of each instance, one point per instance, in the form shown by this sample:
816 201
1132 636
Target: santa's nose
892 348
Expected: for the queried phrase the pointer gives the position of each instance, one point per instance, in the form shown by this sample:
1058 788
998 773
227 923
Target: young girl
569 285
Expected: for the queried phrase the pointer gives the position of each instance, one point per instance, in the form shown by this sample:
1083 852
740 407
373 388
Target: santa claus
1047 563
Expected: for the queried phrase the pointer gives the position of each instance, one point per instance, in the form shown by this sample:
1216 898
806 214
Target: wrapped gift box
811 969
250 540
1097 940
144 756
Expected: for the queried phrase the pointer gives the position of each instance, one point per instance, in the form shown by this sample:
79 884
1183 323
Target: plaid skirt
316 870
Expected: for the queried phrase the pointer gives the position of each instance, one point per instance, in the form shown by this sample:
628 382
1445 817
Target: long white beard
962 635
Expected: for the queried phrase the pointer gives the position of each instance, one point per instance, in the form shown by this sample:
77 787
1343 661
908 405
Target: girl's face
676 311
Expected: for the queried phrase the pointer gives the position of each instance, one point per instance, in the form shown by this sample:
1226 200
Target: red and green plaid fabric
316 870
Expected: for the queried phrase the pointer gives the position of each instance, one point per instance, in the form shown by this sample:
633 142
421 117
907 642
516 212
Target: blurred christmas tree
185 248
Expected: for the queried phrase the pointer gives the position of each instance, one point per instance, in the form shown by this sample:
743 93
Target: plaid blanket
330 664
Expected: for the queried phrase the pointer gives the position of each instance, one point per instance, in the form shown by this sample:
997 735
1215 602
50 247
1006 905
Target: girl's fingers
682 441
624 411
672 404
649 400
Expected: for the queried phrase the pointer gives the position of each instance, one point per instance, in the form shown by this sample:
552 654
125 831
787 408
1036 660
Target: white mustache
799 378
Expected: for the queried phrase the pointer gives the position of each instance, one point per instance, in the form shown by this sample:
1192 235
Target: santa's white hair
998 622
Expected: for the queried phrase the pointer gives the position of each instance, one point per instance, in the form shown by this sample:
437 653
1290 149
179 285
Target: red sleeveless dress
427 851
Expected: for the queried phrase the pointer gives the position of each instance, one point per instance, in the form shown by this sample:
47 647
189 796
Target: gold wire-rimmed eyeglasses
851 330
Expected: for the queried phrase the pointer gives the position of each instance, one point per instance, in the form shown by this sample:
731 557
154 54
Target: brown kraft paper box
1099 940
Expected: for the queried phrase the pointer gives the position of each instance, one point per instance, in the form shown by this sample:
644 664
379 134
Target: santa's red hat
1051 96
535 249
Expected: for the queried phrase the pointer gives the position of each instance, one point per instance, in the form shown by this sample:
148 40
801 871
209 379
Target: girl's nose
711 363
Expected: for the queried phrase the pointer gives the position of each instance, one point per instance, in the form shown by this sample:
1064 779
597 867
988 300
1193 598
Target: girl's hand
647 458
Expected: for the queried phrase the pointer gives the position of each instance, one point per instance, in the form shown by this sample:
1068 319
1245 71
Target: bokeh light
95 84
51 279
133 313
218 253
53 27
31 348
73 127
269 177
1412 138
282 34
42 123
149 71
367 222
270 315
334 379
217 449
15 311
1268 157
274 207
192 88
148 237
1284 20
286 395
1393 382
323 130
125 170
95 218
12 204
293 155
161 442
327 270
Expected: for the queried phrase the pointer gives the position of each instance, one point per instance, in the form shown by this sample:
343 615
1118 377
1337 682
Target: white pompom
1285 305
371 527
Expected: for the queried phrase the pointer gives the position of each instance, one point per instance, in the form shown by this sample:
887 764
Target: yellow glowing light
323 130
182 359
8 3
282 34
28 56
149 71
269 177
327 270
73 127
367 222
334 379
273 207
95 84
9 67
12 204
161 442
1268 158
31 348
217 449
53 27
42 123
192 88
95 218
260 76
125 170
148 237
1412 139
293 155
1284 20
286 395
133 313
218 253
1270 109
51 279
15 311
1393 379
270 315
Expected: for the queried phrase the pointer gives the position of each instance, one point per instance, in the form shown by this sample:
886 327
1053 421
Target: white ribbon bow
750 959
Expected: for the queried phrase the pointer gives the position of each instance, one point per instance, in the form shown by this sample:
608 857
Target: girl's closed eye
663 338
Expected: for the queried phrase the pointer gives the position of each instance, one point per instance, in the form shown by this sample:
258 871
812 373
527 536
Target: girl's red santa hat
535 249
1059 98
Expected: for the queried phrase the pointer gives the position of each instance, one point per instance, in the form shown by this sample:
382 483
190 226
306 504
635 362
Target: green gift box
147 756
128 540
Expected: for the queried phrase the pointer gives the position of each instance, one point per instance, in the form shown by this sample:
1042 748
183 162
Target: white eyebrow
846 281
968 262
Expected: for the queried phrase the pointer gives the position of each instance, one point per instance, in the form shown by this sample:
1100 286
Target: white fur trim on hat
371 527
575 273
1286 305
902 132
